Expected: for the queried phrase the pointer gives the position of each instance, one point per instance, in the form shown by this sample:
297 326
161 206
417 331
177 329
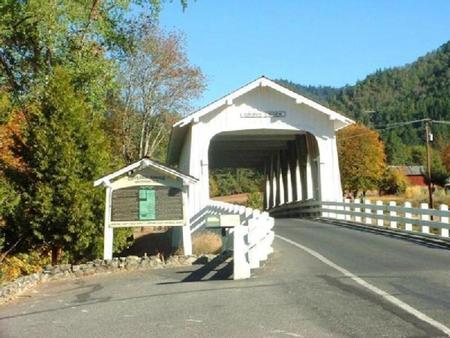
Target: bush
22 264
255 201
393 181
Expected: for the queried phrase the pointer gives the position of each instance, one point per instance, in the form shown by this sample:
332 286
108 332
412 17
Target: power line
393 126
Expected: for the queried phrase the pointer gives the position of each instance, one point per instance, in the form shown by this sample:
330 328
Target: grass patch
206 242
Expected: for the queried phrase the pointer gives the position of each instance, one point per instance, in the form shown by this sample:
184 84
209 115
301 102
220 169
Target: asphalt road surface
300 292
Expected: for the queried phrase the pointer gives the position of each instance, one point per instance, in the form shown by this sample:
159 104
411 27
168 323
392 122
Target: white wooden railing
432 222
251 241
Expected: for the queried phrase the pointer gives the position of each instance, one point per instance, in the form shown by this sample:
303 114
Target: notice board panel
140 203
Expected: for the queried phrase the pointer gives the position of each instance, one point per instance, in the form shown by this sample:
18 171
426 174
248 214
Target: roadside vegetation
85 88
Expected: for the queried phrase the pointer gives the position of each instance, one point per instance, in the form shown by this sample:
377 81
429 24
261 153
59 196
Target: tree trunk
56 250
142 141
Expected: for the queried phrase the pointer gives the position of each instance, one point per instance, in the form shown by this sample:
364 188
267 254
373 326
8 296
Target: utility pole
430 188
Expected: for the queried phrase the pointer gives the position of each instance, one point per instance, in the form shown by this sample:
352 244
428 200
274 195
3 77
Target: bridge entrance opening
284 163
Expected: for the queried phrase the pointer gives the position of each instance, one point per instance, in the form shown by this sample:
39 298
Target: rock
65 267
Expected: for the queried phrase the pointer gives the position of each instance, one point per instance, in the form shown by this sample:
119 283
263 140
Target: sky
318 42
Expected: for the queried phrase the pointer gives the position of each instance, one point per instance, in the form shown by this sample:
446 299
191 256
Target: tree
157 81
64 150
393 181
361 158
58 62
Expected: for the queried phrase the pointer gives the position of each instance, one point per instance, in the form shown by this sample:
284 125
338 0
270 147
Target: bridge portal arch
289 160
266 125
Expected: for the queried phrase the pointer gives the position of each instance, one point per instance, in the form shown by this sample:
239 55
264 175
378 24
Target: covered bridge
267 126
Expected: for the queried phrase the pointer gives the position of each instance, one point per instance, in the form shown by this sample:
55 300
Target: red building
414 173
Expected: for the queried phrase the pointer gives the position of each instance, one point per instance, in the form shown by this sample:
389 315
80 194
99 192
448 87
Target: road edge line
393 300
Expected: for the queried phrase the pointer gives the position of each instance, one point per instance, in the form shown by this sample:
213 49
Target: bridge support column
309 174
267 191
292 165
289 186
273 183
285 176
313 156
280 185
302 154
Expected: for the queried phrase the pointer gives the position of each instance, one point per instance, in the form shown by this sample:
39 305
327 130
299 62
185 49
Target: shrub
255 201
393 181
22 264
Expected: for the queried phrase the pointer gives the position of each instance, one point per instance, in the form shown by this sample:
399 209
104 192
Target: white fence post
357 209
380 222
423 217
367 211
408 226
393 214
241 268
340 215
444 232
348 217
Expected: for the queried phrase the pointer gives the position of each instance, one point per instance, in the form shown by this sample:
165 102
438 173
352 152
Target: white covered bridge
267 126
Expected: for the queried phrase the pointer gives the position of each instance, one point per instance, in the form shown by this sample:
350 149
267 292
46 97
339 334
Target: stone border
10 290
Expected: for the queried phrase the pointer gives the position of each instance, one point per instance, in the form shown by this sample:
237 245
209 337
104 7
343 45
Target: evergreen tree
64 151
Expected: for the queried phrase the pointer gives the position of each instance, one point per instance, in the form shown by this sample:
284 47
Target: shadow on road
219 268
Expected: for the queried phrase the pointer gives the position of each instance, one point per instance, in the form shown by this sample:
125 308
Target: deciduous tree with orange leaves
361 158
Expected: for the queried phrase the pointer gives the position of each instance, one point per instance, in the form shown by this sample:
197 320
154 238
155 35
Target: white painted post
348 217
331 214
380 222
444 232
423 217
108 231
253 254
289 187
298 180
408 226
281 186
187 239
367 211
357 209
241 268
268 194
393 214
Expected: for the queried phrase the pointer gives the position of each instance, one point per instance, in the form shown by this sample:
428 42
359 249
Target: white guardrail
251 240
422 220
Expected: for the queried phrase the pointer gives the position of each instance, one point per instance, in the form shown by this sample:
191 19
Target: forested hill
414 91
321 94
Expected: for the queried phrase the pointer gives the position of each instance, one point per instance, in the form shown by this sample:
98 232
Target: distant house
414 173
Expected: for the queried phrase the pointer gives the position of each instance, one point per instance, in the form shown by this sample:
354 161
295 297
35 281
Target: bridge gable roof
263 82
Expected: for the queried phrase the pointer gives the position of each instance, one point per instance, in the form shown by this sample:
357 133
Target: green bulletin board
147 205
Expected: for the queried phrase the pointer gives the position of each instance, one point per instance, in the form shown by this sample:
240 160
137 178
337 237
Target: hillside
411 92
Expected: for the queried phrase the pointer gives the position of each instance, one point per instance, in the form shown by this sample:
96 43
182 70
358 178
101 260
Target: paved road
294 295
